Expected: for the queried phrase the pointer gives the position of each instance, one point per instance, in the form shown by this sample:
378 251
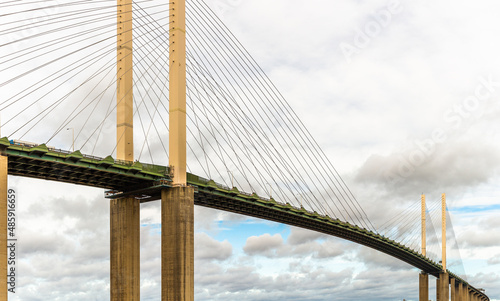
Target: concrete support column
125 249
3 226
423 284
460 292
177 245
453 290
444 287
438 289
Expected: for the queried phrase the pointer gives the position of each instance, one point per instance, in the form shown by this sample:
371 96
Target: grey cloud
300 243
300 236
35 243
263 245
374 259
494 260
207 218
488 281
480 238
330 249
456 166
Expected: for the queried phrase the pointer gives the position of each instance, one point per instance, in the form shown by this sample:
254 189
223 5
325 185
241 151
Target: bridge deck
146 181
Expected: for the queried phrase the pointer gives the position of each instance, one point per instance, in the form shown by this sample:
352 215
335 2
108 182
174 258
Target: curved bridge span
145 181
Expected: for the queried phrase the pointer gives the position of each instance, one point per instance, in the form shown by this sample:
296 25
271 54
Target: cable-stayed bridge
61 72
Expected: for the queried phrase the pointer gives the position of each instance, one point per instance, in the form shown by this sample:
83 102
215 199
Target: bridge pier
423 284
453 290
442 287
125 249
4 162
177 244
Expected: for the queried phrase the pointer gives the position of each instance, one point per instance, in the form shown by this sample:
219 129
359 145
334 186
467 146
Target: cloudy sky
402 96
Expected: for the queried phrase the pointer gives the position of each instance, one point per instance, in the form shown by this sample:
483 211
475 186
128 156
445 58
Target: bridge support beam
443 287
423 284
453 290
460 292
125 249
438 289
3 226
177 244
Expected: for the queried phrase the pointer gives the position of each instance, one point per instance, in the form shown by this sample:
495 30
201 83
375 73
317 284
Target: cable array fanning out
58 71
